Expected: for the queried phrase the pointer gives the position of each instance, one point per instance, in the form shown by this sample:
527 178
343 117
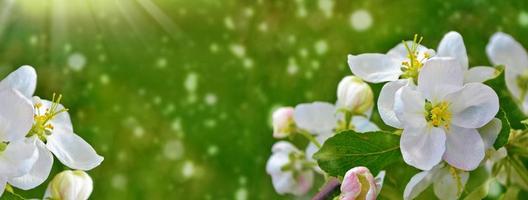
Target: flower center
438 114
411 68
42 126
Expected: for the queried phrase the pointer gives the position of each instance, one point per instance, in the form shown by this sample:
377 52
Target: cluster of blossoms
292 170
440 107
32 132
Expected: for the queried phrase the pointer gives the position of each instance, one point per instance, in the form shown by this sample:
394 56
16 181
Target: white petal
386 102
525 104
445 185
362 124
379 181
18 158
316 118
418 183
511 78
24 79
452 45
16 115
504 50
480 74
73 151
40 170
375 68
464 148
473 106
61 122
490 132
410 107
440 76
400 53
423 147
2 185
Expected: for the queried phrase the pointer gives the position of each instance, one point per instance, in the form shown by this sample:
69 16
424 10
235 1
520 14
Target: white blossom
50 131
502 49
70 185
354 95
440 117
290 172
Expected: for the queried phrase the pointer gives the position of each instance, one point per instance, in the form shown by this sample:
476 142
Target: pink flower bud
283 124
358 184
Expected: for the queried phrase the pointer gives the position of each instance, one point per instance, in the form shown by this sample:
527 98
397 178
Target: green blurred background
177 94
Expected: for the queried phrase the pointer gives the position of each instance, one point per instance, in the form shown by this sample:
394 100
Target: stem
328 189
310 137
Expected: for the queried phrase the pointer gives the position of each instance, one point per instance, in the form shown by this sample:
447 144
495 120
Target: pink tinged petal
316 118
502 49
386 102
473 106
446 185
73 151
490 132
358 183
464 148
40 170
452 45
418 183
16 115
374 67
282 121
410 107
438 77
423 147
480 74
18 158
24 80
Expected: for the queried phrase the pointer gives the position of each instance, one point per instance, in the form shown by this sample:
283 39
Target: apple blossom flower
448 182
359 183
503 49
440 117
17 155
451 45
399 67
283 124
50 131
354 95
290 172
70 185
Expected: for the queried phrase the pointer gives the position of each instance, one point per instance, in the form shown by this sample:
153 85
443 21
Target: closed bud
359 183
283 124
354 95
70 185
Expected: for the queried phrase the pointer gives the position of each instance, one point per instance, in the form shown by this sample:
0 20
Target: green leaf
504 134
11 196
507 102
349 149
478 184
